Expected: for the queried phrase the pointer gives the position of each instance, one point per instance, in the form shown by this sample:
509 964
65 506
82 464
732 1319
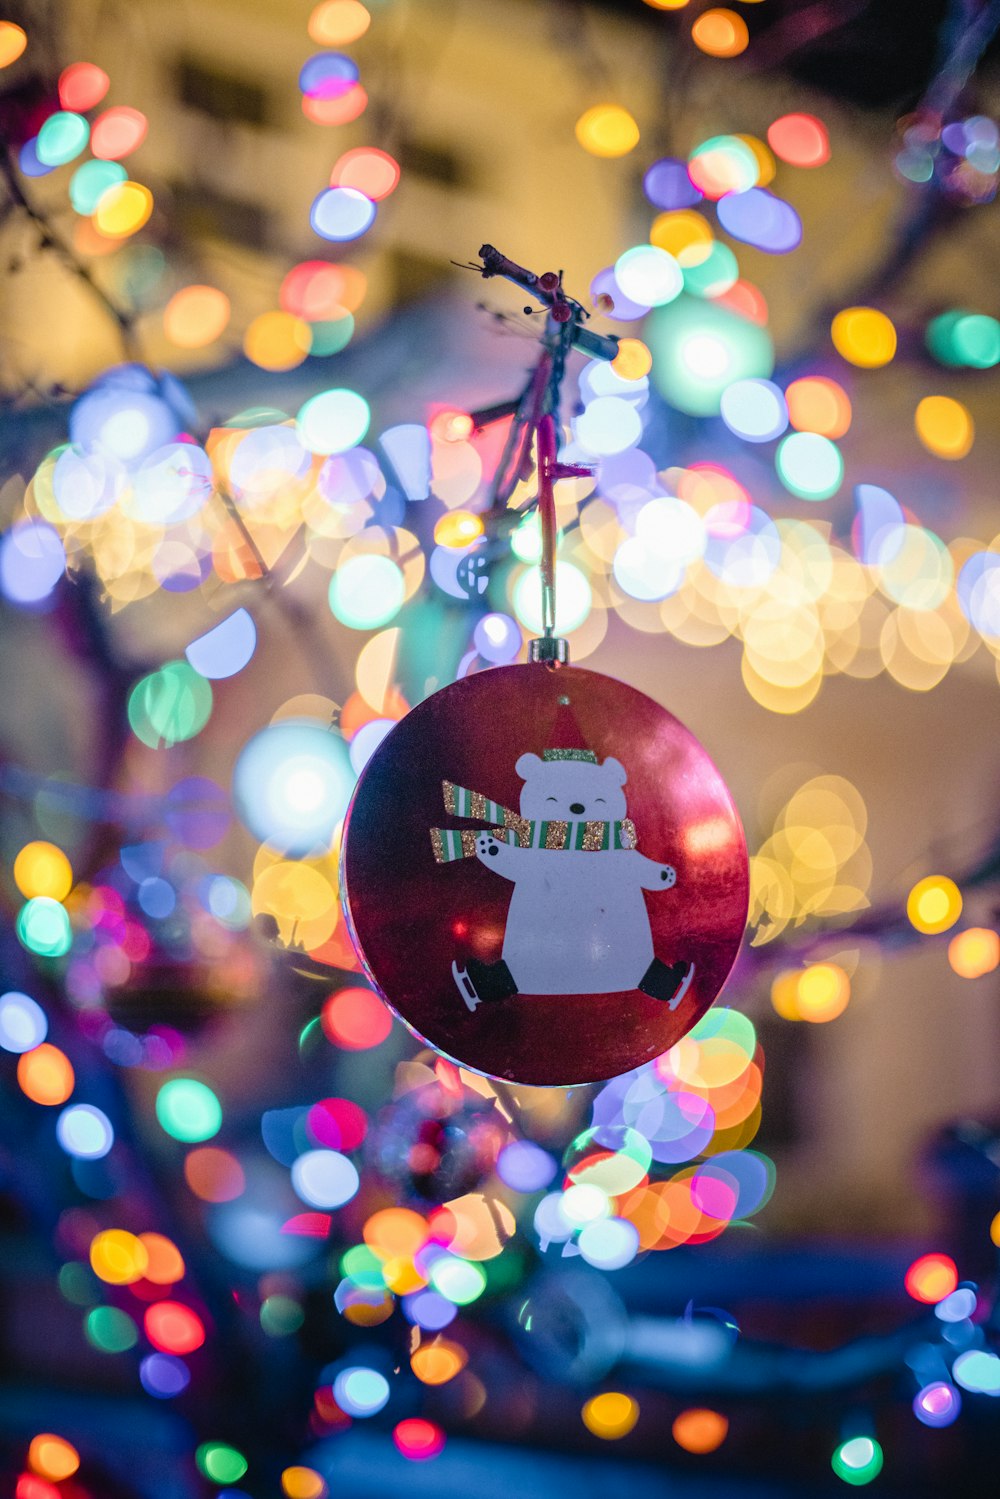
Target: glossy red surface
410 916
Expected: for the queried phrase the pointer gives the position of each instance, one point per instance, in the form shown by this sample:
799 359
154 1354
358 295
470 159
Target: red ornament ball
544 875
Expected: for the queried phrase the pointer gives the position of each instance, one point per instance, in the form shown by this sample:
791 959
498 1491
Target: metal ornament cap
520 889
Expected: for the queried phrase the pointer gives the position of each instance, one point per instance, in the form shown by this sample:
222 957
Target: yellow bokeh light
944 426
303 1483
45 1075
277 341
43 869
864 336
666 4
822 992
607 130
338 23
766 164
402 1276
785 994
720 33
299 897
974 952
934 904
196 316
633 360
995 1230
611 1415
118 1257
459 528
13 40
123 209
52 1457
684 234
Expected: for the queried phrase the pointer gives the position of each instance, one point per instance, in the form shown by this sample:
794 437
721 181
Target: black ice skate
668 982
483 983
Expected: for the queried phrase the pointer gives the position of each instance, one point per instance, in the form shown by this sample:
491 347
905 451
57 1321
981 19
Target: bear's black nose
577 807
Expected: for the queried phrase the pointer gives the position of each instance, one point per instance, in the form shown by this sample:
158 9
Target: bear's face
571 790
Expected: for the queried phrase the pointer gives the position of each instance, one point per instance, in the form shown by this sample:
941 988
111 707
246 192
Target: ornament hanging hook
535 417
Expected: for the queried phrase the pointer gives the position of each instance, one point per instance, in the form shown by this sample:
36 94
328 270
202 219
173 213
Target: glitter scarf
509 827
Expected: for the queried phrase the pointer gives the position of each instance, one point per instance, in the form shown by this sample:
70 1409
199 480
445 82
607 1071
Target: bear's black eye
601 800
550 798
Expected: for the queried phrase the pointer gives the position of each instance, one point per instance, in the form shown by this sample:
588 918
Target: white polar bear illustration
577 921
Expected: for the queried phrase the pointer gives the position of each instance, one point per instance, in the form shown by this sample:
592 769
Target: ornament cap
549 648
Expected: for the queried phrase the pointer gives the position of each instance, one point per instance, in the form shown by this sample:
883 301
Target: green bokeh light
43 927
857 1461
330 336
62 136
366 592
459 1281
220 1462
809 465
714 275
188 1110
960 338
170 705
280 1316
110 1330
699 348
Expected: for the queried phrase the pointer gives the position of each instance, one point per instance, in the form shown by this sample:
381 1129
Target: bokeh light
188 1110
799 139
934 904
45 1075
607 130
858 1460
944 426
972 953
931 1278
53 1457
720 33
196 316
43 869
611 1415
700 1430
864 336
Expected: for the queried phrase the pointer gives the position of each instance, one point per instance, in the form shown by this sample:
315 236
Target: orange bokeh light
45 1075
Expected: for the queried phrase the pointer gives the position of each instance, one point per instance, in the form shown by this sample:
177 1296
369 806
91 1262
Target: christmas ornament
543 873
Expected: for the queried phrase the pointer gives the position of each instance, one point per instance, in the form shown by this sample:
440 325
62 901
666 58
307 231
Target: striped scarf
509 827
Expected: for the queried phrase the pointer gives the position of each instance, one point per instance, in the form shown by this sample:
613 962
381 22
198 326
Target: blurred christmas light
700 1430
864 336
188 1110
858 1460
607 130
720 33
931 1278
934 904
611 1415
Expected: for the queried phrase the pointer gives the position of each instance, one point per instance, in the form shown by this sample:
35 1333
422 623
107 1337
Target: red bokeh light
117 132
30 1486
355 1019
418 1439
931 1278
174 1328
82 85
801 140
337 1123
